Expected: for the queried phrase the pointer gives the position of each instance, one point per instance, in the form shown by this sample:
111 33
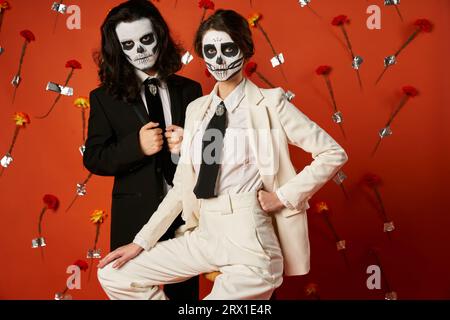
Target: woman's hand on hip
121 255
269 201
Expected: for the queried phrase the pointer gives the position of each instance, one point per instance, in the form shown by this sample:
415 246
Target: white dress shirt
238 171
163 91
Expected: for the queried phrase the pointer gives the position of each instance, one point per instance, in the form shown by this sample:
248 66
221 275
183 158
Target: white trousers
235 236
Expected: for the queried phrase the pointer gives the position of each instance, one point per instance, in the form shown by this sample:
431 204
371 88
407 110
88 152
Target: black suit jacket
113 149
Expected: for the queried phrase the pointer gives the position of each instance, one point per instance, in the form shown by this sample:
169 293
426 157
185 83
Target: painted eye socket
127 45
210 51
230 49
148 39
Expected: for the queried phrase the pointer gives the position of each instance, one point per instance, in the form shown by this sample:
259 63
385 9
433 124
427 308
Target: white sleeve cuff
141 242
283 200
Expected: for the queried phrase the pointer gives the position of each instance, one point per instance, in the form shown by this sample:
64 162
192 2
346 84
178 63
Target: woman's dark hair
232 23
115 71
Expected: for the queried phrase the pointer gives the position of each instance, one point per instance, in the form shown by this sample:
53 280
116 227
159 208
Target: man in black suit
136 116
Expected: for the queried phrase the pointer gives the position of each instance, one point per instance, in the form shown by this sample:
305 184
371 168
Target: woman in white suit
243 204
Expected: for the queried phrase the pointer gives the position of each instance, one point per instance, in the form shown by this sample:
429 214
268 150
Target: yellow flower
253 19
321 207
82 103
98 216
21 119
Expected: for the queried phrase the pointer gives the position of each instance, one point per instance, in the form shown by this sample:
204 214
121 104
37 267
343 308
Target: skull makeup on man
222 55
139 43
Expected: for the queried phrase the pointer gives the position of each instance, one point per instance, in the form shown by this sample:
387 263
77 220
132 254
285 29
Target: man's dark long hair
116 73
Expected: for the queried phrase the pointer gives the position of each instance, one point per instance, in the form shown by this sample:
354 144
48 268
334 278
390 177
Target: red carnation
340 20
424 25
410 91
51 202
323 70
28 35
83 265
74 64
206 4
250 68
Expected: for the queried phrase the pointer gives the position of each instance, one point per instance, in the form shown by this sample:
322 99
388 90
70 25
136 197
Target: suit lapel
260 135
141 112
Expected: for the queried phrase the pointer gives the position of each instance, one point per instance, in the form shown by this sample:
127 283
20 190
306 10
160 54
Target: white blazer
274 123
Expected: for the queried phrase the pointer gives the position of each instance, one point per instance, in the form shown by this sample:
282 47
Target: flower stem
16 133
330 225
97 233
41 216
57 97
330 89
398 12
83 121
397 110
411 38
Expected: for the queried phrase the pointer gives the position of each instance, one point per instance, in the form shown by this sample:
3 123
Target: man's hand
174 135
121 255
269 201
150 138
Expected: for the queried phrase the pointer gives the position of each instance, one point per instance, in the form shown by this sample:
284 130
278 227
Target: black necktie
211 158
156 114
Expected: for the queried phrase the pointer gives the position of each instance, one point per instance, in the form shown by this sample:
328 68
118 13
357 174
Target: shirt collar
233 100
142 76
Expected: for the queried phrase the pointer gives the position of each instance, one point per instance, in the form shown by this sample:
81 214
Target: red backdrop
413 162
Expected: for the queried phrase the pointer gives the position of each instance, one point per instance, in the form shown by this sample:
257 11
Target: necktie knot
220 110
152 84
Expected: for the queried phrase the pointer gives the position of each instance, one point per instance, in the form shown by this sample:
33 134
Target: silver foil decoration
65 91
187 58
81 189
337 117
304 3
277 60
339 177
385 132
289 95
340 245
6 160
59 7
16 80
390 295
62 296
391 2
94 254
390 60
220 110
38 242
82 149
389 226
357 62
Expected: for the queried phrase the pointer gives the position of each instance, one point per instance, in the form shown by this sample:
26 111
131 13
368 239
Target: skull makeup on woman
139 43
222 55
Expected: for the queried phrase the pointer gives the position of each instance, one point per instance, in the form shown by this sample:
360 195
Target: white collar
233 100
142 76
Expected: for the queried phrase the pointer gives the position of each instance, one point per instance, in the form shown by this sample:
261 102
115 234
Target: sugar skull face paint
222 55
139 43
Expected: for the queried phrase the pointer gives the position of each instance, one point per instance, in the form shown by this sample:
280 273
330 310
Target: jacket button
158 170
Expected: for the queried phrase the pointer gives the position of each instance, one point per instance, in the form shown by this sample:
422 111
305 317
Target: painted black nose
219 60
140 49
